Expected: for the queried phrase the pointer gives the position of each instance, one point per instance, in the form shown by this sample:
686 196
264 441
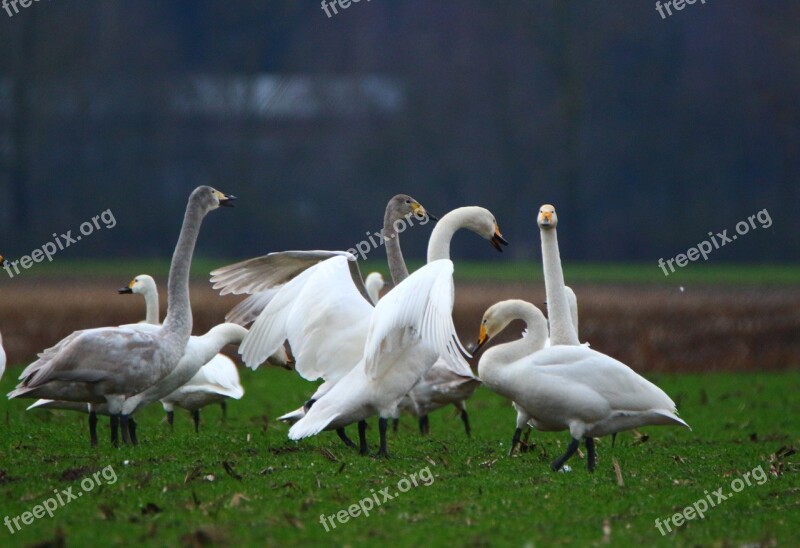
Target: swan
314 299
108 365
145 285
410 328
439 387
563 387
374 284
215 382
558 309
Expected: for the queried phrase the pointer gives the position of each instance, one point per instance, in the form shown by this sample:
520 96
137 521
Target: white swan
558 310
108 365
374 284
411 327
215 382
314 299
570 388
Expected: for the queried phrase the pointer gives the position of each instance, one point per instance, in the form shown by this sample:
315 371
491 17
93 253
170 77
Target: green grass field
242 482
503 271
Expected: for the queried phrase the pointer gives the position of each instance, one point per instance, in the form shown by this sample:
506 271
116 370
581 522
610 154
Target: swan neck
510 352
179 311
442 234
397 265
562 330
152 306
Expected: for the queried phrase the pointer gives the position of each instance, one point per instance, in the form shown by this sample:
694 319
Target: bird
109 365
561 326
567 387
315 300
374 284
215 382
410 328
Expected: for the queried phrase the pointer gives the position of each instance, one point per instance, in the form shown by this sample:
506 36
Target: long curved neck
561 327
151 304
179 310
442 234
510 352
218 337
397 265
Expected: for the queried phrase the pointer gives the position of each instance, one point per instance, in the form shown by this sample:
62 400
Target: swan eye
408 201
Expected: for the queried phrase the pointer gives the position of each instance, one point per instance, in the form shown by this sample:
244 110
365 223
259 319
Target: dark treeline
645 133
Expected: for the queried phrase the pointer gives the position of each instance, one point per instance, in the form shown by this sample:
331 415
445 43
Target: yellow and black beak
126 290
483 338
498 239
225 200
420 211
547 218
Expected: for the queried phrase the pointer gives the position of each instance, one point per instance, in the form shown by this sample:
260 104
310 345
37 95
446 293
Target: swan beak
546 218
483 338
498 239
127 289
225 199
421 212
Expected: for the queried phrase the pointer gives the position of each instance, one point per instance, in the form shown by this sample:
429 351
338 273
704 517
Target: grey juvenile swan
107 365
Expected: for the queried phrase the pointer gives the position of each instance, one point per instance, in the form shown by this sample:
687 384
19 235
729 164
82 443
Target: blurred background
646 133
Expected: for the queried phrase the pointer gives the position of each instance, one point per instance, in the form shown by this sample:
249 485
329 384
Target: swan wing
272 270
418 311
322 315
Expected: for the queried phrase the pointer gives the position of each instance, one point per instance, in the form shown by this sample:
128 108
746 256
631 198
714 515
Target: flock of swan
375 356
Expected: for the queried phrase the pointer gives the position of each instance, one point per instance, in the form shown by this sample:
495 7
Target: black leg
382 425
515 441
224 405
343 436
424 425
395 424
465 420
170 419
124 426
592 456
196 419
132 431
613 439
362 438
559 462
93 428
115 430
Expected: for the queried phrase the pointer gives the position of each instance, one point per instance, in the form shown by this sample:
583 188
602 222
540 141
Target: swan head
374 283
210 198
482 222
403 205
140 285
499 315
547 218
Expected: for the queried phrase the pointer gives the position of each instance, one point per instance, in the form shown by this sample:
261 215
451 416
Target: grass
503 271
242 482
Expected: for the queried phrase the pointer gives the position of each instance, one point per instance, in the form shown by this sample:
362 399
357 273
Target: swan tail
673 418
312 424
293 416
